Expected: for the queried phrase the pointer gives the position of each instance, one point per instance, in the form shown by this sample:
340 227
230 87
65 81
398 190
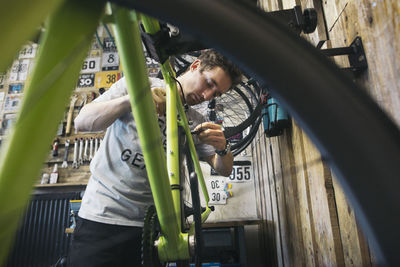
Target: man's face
205 85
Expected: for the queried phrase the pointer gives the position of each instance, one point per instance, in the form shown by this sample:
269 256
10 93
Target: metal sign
91 65
109 45
86 80
107 78
2 95
19 70
12 103
216 190
2 79
15 88
110 61
242 172
28 51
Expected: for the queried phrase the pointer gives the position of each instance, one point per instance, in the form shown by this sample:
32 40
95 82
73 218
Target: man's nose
208 94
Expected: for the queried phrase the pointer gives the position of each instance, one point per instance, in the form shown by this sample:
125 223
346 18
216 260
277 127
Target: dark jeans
99 244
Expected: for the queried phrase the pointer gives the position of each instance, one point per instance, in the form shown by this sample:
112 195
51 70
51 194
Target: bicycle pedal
189 210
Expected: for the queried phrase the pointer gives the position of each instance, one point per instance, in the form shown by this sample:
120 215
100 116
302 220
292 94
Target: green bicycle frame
172 244
64 47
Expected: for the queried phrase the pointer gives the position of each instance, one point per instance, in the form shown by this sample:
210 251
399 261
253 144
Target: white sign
28 51
12 103
91 65
216 192
2 95
19 70
2 78
110 61
242 172
217 198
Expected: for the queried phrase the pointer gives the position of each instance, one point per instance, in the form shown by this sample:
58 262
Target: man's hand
211 134
159 95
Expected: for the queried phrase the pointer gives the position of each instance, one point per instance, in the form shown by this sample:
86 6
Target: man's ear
195 64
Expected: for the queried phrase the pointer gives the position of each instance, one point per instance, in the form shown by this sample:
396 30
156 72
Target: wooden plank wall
307 218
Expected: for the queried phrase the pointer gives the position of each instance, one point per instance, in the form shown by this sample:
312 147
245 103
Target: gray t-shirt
118 191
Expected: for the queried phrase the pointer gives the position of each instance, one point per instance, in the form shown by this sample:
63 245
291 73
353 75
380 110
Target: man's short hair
210 59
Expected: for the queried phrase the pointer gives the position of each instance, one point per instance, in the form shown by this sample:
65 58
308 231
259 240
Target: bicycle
323 88
174 243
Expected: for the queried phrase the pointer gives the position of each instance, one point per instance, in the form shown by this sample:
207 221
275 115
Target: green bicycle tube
172 138
195 159
133 62
192 148
64 47
151 26
26 18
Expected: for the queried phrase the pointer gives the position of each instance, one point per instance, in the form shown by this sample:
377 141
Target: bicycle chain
150 233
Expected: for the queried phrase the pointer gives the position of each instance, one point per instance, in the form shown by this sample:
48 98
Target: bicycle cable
185 105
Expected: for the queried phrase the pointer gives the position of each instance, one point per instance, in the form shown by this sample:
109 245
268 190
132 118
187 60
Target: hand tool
85 151
91 149
70 114
65 162
80 156
75 162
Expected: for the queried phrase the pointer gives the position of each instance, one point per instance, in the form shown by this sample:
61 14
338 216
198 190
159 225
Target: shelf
60 184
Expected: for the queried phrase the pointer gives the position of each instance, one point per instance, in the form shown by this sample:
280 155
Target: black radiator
41 238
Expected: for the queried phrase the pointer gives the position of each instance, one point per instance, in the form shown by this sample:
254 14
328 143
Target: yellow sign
106 78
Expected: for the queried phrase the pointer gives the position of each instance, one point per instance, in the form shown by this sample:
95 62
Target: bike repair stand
355 52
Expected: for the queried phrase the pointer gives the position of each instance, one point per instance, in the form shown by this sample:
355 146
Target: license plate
91 65
86 80
2 78
110 61
216 192
28 51
107 78
217 198
242 172
19 70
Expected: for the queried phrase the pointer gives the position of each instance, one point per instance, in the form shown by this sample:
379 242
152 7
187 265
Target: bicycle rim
242 116
239 112
311 88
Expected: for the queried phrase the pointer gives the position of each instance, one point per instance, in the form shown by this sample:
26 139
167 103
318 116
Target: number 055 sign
242 172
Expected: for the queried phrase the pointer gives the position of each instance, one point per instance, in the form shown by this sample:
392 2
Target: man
108 232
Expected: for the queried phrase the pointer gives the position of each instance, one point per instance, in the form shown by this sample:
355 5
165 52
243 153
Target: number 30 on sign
215 188
241 172
86 80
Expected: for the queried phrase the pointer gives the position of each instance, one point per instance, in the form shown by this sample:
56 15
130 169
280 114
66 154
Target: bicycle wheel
313 96
240 109
239 112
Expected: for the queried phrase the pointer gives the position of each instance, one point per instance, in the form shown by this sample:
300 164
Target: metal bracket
296 19
355 52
